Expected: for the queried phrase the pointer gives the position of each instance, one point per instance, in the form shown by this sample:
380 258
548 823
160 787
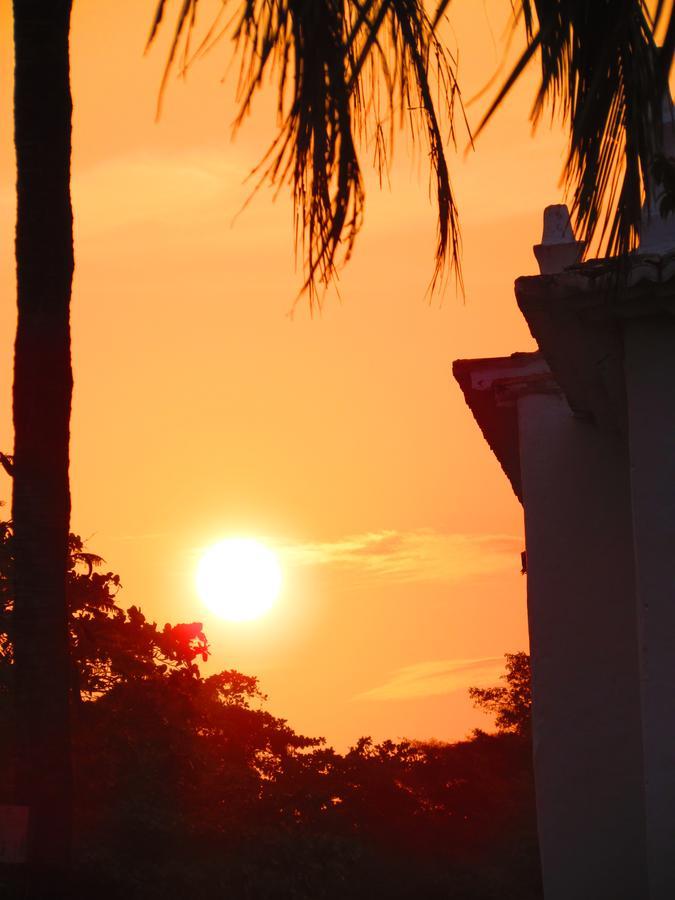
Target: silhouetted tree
186 784
108 644
146 722
511 705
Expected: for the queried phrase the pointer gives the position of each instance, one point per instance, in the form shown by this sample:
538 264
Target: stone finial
558 248
657 235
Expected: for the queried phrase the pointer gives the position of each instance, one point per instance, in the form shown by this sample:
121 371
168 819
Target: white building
585 432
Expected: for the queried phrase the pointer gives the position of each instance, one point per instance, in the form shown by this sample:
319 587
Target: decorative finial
558 248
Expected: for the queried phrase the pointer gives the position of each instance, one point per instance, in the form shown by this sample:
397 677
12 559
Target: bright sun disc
239 579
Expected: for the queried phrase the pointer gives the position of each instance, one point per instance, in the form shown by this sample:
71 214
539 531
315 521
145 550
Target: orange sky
201 409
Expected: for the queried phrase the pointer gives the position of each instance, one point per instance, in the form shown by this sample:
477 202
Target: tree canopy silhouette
185 783
511 706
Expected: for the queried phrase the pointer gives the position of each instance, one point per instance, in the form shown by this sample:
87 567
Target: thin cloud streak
143 189
408 556
437 677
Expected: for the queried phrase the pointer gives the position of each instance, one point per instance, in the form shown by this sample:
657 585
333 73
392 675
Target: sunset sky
203 409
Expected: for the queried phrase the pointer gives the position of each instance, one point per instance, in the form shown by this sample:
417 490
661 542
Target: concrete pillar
582 620
649 367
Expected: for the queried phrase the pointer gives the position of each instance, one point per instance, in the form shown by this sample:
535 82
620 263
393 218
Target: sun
239 579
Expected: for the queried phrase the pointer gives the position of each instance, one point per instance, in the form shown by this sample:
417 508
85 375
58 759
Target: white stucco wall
582 620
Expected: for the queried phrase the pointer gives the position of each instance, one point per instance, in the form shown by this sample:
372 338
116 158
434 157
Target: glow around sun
239 579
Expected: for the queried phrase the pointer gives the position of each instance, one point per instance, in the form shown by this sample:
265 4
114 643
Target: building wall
582 620
649 367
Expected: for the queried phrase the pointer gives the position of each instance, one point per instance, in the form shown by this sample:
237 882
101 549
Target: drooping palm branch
348 72
602 70
348 68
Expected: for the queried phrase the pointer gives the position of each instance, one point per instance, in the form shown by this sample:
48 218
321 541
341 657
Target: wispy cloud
422 555
139 189
437 677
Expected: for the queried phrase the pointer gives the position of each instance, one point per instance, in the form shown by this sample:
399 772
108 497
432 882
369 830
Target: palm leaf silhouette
601 69
347 72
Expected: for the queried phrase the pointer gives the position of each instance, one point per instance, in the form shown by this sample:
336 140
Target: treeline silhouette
187 787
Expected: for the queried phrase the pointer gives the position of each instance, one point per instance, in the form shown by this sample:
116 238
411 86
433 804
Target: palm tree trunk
42 401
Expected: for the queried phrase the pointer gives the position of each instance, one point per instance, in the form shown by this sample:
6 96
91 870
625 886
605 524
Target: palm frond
668 45
602 71
346 72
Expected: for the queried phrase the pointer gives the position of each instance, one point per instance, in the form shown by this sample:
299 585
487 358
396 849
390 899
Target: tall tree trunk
42 400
